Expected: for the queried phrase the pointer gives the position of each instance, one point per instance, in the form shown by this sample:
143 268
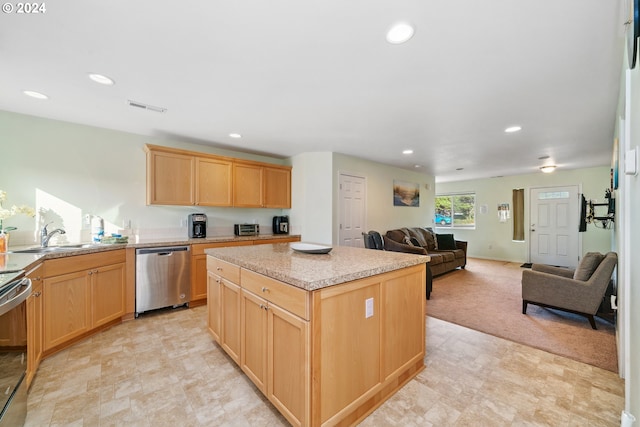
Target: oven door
13 351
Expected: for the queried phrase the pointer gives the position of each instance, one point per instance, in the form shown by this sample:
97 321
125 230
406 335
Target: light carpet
487 297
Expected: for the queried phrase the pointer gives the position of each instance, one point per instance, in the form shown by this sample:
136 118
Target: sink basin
49 249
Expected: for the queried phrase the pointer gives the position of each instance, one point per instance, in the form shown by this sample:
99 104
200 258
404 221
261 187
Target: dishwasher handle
164 251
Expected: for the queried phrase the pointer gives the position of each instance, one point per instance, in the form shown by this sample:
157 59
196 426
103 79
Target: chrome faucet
45 235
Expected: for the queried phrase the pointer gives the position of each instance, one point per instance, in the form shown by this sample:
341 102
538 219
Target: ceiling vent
146 106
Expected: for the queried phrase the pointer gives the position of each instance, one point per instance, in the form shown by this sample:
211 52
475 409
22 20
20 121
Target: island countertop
315 271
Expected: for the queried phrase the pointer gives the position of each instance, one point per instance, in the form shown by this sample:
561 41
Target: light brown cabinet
259 186
274 354
170 178
185 178
368 340
213 182
81 293
224 305
34 322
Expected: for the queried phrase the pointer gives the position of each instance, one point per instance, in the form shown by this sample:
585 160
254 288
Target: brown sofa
420 240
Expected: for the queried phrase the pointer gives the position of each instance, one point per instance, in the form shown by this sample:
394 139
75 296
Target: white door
352 210
554 219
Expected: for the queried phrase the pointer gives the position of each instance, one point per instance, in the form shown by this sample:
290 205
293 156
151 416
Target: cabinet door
213 182
230 319
198 279
288 365
170 179
213 305
277 188
107 294
34 329
66 311
253 333
247 185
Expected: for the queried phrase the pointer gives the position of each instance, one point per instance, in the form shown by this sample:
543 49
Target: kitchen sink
49 249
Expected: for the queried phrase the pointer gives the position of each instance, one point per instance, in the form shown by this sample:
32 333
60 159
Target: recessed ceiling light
548 168
35 94
407 152
512 129
235 135
103 80
400 33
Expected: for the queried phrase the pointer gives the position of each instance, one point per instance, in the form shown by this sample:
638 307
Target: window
456 210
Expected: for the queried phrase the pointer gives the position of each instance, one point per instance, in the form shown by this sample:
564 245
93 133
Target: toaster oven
246 229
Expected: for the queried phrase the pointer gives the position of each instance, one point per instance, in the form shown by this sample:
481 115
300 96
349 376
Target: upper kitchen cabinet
257 185
185 178
213 182
277 187
169 177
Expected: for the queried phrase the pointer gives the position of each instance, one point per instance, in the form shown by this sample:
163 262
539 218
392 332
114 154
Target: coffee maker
281 224
197 226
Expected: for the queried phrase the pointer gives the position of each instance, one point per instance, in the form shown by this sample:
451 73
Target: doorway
554 217
352 210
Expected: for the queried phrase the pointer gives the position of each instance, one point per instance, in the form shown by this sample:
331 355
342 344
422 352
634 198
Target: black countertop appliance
197 225
281 224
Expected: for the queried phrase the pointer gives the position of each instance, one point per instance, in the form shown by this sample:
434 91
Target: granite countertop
14 261
315 271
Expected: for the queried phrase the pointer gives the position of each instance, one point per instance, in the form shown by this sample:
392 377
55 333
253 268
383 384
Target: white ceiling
296 76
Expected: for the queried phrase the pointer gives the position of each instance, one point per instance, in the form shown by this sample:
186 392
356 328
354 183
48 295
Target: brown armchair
577 291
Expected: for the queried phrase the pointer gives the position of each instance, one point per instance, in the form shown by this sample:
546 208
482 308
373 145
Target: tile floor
164 370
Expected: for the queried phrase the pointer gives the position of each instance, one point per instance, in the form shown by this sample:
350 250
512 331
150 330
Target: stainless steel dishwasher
163 277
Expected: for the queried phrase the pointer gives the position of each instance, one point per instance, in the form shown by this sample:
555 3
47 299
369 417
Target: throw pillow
430 238
588 265
446 242
416 234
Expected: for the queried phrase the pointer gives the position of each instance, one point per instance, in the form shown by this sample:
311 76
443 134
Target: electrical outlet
368 308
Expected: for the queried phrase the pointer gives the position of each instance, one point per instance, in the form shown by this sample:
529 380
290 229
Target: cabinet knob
218 281
219 268
265 289
37 294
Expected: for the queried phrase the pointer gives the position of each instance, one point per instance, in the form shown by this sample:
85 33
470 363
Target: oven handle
19 298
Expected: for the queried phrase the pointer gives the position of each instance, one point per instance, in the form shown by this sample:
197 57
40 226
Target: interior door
554 218
352 210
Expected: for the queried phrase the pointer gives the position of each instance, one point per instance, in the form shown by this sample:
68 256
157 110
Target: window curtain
518 214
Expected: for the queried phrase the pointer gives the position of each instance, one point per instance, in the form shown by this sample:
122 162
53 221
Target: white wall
311 203
69 170
493 239
381 214
629 278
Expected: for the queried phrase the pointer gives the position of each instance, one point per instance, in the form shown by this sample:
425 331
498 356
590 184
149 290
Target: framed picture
406 193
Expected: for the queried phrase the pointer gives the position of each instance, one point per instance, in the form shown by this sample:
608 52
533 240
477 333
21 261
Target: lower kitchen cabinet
275 356
34 323
86 292
224 305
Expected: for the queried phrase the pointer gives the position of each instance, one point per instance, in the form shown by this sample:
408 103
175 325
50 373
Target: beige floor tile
165 370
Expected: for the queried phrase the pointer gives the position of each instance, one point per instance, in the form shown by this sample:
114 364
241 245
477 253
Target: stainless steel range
14 290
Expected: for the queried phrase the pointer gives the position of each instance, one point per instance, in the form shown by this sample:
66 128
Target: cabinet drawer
290 298
223 269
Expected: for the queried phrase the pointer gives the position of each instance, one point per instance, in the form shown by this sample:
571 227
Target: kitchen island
326 337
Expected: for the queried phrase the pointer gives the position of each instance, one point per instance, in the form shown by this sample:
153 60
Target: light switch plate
368 308
631 162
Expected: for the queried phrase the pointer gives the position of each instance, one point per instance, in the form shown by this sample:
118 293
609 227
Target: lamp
548 168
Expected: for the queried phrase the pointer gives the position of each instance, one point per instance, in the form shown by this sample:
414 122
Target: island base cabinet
275 355
288 365
356 345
